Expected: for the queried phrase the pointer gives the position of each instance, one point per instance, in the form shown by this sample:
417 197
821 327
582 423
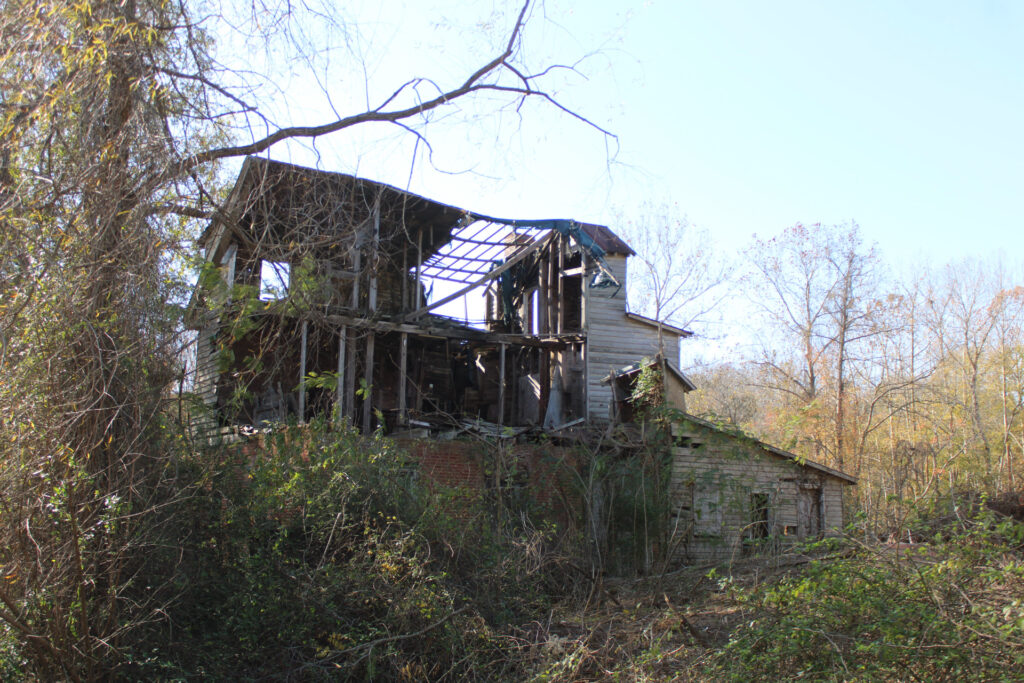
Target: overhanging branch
473 84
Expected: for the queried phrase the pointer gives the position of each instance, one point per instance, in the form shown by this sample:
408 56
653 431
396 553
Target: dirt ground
656 628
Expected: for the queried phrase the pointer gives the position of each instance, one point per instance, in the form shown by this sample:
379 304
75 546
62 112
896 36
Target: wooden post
584 326
501 384
302 372
561 286
404 306
374 248
544 298
403 359
585 284
368 392
527 312
554 290
350 376
418 297
545 383
339 398
357 268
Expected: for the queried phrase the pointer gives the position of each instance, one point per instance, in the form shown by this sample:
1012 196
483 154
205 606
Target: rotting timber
323 293
329 297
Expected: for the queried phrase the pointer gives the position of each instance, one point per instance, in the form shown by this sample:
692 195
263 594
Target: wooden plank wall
725 471
613 340
205 382
833 498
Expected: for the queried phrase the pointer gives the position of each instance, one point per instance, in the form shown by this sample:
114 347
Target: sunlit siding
614 341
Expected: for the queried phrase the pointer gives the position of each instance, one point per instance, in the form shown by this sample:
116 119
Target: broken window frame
281 274
759 528
707 511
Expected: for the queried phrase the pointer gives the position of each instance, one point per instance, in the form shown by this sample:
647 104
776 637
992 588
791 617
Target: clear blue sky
750 116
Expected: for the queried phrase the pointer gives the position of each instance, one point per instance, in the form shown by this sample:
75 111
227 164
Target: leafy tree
114 117
816 288
677 278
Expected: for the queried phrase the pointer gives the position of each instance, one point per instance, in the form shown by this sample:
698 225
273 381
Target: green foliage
322 555
627 494
13 666
945 611
648 390
638 510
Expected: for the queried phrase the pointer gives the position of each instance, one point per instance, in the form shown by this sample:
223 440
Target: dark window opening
759 515
572 303
809 512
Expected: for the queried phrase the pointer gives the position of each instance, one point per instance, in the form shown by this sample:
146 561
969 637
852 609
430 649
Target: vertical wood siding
614 341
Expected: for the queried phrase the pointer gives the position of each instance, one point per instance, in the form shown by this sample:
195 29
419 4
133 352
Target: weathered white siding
715 475
675 392
205 386
615 341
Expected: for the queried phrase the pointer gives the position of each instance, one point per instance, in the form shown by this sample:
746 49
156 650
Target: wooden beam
526 312
302 372
374 256
553 289
501 383
490 276
448 272
560 326
442 332
585 328
350 377
357 266
467 257
403 360
544 296
545 383
339 396
419 267
368 390
405 278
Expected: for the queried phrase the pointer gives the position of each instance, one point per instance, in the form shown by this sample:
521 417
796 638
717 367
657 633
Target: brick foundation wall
541 472
455 464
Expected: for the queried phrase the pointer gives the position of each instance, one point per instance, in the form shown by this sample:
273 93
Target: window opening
275 278
707 511
759 511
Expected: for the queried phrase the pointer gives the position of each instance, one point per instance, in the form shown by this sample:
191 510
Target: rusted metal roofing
634 368
606 239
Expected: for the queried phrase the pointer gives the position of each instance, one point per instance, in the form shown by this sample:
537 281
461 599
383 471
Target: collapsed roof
289 209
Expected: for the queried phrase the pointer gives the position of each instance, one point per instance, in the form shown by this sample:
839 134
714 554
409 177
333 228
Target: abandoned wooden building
326 296
733 495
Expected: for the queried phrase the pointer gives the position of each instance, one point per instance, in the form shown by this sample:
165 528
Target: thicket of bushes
322 555
326 557
948 609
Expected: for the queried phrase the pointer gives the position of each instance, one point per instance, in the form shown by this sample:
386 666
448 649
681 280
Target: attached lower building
732 495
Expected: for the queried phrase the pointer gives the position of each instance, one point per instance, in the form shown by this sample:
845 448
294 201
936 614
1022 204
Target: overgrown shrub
323 555
948 610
